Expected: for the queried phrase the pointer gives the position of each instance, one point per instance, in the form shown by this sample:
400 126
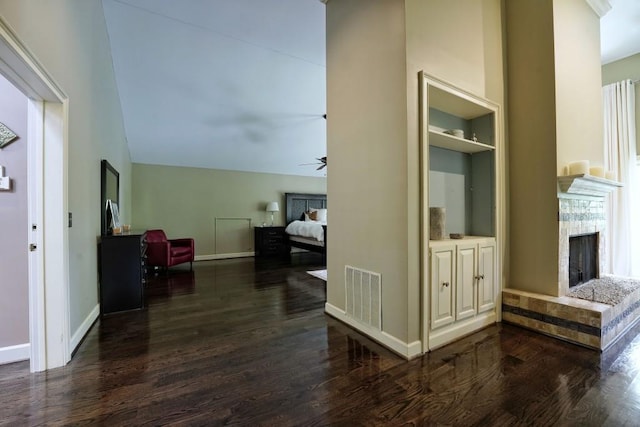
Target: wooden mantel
586 185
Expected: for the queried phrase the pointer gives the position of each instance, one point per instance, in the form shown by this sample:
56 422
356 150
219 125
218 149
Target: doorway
47 124
14 305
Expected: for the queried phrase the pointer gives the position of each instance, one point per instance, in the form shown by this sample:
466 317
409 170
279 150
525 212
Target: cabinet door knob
445 284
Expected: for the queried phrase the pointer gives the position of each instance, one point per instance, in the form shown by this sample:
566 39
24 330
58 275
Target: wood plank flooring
240 343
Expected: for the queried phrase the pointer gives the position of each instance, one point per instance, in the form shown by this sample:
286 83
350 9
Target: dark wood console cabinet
122 272
270 241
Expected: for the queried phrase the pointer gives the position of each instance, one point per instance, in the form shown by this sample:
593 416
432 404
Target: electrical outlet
5 183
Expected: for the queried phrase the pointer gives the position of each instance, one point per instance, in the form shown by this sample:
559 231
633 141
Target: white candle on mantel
580 167
610 175
596 171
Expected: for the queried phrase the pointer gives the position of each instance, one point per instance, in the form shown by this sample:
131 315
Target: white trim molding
600 7
86 325
211 257
406 350
14 353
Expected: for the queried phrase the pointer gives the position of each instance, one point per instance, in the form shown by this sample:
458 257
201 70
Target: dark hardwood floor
239 343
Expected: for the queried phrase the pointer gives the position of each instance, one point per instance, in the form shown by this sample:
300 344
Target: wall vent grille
363 296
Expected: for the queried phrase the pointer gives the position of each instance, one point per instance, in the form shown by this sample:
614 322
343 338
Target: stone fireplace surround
577 217
581 210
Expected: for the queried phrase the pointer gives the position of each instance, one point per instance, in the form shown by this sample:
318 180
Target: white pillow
321 214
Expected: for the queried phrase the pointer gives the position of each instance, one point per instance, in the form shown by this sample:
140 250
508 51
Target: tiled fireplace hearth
584 322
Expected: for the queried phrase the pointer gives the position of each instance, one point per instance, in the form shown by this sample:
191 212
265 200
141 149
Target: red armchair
163 252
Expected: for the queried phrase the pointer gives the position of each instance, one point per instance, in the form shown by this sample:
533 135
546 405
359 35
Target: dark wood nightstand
270 241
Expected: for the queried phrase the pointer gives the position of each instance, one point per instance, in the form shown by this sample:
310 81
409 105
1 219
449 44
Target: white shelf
450 142
457 103
586 185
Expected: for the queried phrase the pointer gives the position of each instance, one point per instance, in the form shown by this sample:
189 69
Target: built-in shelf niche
456 162
462 278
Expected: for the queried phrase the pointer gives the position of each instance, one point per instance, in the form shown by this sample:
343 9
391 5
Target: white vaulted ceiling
620 30
224 84
240 84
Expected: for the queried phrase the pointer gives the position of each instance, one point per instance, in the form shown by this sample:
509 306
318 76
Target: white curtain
620 157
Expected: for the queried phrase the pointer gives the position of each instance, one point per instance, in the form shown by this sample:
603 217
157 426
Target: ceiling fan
322 162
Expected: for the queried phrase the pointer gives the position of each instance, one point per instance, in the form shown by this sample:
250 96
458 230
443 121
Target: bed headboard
299 203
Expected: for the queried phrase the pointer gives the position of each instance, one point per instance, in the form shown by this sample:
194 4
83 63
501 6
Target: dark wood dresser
122 272
271 241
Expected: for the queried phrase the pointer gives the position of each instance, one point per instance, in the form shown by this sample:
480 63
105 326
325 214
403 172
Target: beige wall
367 133
14 279
533 234
69 38
555 116
185 202
626 68
579 123
374 53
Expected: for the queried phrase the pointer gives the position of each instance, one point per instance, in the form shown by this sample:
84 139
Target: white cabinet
487 283
463 287
466 273
442 284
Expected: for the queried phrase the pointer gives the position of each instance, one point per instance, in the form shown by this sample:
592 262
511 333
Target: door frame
48 118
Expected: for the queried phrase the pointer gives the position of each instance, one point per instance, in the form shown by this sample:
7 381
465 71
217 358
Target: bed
296 206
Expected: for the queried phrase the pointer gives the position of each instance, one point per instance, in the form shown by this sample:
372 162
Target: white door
486 276
442 277
465 281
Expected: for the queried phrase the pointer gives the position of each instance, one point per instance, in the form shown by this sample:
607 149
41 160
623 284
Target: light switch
5 183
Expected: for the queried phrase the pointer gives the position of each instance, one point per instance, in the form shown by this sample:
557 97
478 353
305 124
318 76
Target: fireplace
580 218
583 258
582 255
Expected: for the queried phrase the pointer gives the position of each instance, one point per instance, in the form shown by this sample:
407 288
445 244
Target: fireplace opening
583 258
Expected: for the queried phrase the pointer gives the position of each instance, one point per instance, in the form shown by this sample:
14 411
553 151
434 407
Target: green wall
216 207
626 68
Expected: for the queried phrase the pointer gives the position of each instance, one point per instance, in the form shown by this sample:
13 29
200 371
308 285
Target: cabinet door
442 271
466 301
486 276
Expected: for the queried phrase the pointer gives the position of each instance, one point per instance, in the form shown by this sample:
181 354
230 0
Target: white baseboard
223 256
15 353
447 334
76 338
406 350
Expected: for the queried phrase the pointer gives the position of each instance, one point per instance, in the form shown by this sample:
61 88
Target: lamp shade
273 207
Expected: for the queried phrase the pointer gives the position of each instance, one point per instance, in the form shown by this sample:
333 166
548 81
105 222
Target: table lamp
272 207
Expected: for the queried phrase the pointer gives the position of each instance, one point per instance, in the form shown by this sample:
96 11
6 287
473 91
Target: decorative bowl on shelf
455 132
456 235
